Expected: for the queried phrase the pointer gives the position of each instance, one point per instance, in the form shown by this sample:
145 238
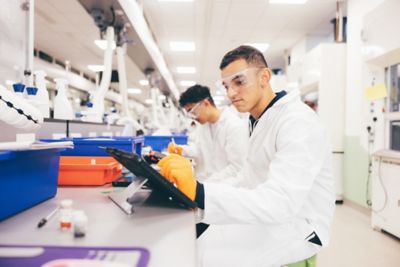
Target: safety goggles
192 113
239 80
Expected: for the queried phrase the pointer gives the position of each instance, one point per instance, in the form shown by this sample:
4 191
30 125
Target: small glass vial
65 214
80 223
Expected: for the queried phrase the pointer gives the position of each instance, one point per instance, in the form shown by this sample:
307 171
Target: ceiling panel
66 31
221 25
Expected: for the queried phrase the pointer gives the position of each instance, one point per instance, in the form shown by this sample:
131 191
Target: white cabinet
386 192
322 74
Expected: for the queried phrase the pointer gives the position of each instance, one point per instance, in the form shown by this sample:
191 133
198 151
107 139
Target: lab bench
168 233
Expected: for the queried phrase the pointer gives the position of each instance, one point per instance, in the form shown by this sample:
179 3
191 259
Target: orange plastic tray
88 170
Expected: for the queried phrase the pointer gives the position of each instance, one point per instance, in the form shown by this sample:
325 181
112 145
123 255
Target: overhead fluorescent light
9 82
134 91
218 98
185 70
182 46
187 83
314 72
144 82
96 68
292 85
102 44
149 101
260 46
288 2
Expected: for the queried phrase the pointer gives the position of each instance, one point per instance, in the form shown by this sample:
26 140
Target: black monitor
395 135
158 183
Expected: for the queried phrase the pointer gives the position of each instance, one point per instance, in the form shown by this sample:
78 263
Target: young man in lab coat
281 210
221 138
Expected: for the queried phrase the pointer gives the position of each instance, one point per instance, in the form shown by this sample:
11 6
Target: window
393 82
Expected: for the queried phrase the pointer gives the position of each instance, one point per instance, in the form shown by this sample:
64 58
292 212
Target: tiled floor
355 244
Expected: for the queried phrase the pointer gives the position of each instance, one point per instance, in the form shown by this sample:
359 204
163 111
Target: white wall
357 9
12 40
371 24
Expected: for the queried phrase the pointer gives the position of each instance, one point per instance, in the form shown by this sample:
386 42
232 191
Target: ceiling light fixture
288 2
218 98
182 46
260 46
9 82
134 91
102 44
96 68
187 83
186 70
144 82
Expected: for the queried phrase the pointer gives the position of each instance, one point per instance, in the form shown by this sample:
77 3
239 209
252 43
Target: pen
48 217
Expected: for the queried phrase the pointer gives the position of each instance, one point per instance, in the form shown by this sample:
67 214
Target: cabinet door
386 196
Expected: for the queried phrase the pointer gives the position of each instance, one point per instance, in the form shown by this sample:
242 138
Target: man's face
242 84
196 111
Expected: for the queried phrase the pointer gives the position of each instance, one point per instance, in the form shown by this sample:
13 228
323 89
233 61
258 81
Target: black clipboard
158 183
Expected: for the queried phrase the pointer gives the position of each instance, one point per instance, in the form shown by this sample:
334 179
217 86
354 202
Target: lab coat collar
253 121
293 95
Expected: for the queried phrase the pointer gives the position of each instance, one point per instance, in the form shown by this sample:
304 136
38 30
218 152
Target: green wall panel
355 171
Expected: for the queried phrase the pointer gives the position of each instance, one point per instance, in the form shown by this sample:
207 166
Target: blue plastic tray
27 178
90 146
159 143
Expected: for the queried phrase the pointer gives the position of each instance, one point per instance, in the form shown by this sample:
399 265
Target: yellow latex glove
178 170
174 148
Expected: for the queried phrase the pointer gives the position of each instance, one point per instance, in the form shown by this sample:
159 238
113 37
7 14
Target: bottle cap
66 203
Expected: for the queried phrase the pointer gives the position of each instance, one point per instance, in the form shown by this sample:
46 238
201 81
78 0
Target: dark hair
246 52
195 94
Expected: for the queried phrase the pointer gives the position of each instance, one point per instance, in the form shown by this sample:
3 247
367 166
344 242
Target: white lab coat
220 147
286 192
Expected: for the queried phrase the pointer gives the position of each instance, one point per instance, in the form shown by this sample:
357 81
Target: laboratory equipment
44 220
161 187
395 135
80 221
30 185
66 214
131 125
159 143
17 111
91 146
88 170
62 106
95 112
385 211
19 89
42 98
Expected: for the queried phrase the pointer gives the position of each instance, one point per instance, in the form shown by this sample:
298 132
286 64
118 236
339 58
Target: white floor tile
355 244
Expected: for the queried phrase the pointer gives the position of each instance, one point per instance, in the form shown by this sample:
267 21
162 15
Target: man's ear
266 75
206 102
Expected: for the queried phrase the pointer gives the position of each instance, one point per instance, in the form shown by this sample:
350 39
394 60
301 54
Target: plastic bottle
42 95
19 89
80 223
66 214
62 107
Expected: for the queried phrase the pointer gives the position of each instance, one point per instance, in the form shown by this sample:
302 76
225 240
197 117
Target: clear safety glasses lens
192 112
241 79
